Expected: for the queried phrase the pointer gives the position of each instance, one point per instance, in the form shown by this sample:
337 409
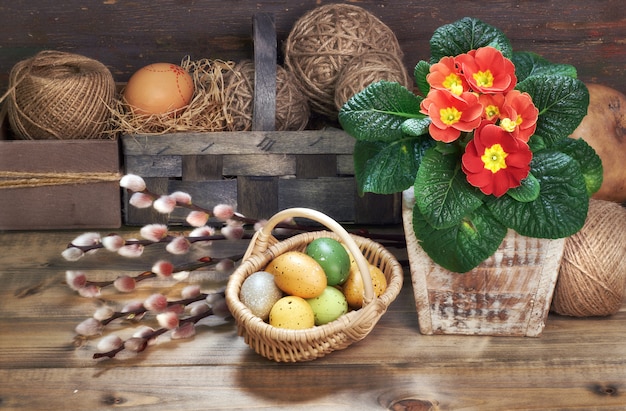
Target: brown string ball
368 68
592 277
324 40
59 95
292 107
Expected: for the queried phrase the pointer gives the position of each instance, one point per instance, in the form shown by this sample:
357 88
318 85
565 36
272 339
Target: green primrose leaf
562 102
588 160
527 191
386 168
528 64
465 35
421 70
536 143
463 246
377 112
443 195
416 126
560 209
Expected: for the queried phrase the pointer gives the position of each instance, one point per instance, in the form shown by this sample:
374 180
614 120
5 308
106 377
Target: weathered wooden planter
509 294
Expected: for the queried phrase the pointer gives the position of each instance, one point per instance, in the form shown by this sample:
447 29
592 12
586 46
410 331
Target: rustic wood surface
575 364
128 35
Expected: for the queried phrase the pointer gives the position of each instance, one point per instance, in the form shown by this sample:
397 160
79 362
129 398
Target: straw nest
207 110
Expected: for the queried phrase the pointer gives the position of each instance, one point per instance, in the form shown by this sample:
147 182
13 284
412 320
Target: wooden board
91 199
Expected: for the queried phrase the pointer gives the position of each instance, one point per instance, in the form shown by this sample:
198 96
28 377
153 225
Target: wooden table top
574 364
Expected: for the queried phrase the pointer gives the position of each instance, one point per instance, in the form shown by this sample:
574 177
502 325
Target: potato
604 129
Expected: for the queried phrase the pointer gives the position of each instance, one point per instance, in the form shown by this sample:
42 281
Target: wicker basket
283 345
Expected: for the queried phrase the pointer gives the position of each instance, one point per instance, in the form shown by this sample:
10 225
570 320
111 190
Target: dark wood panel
127 35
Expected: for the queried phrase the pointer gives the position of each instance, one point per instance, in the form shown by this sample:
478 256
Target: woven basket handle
262 240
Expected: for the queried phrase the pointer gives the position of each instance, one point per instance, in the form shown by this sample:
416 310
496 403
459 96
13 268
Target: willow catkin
324 40
592 277
60 95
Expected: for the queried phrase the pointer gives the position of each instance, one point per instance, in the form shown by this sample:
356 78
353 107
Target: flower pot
509 294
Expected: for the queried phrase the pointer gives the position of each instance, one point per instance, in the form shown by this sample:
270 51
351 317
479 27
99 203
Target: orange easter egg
159 88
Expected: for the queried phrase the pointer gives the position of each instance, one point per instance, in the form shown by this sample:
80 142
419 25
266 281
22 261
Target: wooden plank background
128 35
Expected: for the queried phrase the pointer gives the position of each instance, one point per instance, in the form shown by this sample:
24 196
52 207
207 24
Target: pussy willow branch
150 336
205 261
142 310
289 226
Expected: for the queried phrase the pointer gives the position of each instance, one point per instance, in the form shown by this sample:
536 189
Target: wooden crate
90 201
259 172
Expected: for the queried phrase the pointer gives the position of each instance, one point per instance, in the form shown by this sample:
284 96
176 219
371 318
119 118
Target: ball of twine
292 107
368 68
592 277
324 40
59 95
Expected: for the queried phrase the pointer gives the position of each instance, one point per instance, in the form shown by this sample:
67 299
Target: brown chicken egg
159 88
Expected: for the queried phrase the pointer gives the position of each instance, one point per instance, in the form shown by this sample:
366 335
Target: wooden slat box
92 203
259 172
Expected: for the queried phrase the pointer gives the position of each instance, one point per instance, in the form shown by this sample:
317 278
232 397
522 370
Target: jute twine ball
368 68
324 40
292 107
59 95
592 277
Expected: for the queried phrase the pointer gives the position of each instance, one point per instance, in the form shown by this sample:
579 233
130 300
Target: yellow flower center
492 111
449 115
508 125
483 78
454 84
494 158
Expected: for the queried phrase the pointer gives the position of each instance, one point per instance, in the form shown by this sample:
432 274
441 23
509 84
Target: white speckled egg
259 293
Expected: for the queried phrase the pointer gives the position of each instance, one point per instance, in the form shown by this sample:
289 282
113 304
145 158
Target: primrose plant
484 147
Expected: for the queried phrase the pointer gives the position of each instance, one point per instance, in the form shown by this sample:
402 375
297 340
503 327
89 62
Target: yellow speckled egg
298 274
353 287
292 312
159 88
